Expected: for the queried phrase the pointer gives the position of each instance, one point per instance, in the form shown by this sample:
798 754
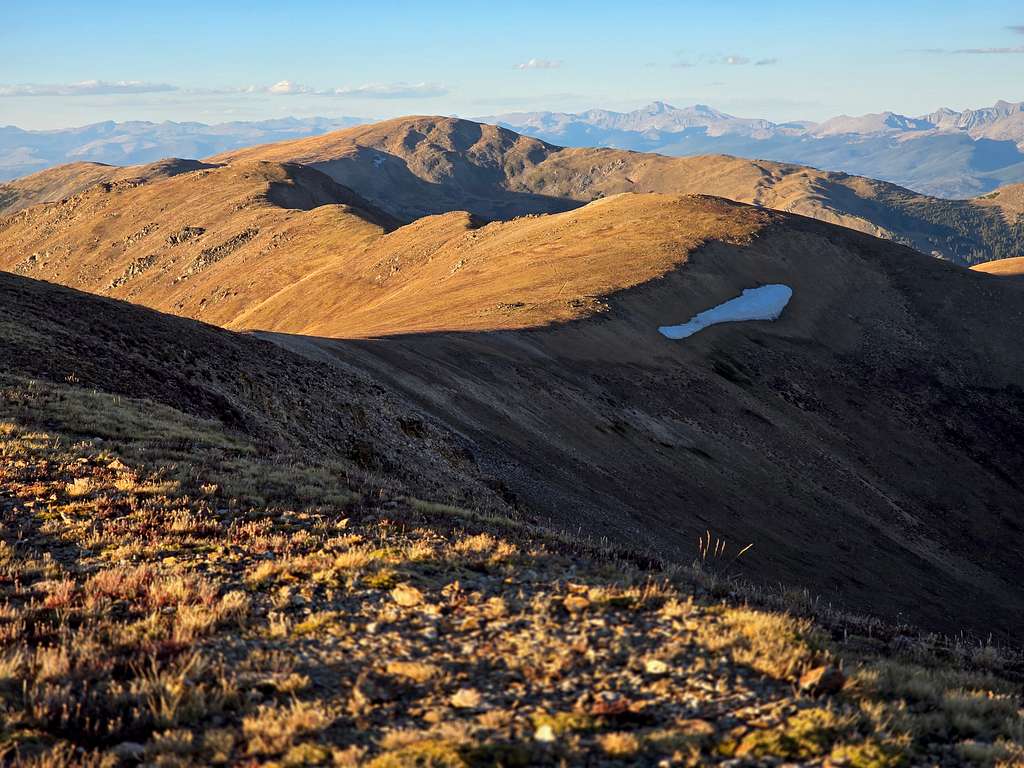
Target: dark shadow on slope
21 530
870 444
287 405
387 181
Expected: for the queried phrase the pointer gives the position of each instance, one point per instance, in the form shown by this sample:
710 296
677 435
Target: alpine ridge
535 339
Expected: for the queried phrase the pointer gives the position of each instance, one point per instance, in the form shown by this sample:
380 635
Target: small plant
144 620
713 554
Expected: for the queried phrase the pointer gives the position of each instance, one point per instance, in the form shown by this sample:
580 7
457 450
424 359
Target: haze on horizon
71 63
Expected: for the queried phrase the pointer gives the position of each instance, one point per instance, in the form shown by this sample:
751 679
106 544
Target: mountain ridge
945 153
139 141
956 154
424 165
534 339
1001 118
416 166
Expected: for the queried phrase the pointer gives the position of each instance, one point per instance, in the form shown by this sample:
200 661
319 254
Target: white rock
545 733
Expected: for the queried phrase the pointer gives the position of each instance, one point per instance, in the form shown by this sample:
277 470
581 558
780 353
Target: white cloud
1005 49
389 91
369 91
288 87
86 88
682 61
1014 49
539 64
280 88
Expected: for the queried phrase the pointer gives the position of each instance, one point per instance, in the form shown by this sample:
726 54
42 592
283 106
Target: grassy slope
567 417
1008 267
168 594
65 181
419 165
235 246
282 402
207 244
180 588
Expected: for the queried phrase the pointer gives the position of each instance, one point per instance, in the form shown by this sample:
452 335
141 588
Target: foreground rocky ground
171 596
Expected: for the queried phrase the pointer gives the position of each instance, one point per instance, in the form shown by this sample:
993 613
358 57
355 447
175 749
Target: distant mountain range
131 143
497 174
945 153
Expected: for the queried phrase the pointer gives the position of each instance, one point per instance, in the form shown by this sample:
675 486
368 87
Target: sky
73 63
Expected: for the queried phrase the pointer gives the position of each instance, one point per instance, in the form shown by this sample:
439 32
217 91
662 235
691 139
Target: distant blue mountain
945 154
131 143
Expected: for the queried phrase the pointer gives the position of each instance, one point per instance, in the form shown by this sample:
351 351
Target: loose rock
822 681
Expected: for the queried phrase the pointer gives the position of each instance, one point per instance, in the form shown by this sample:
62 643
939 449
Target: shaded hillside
426 165
180 600
281 402
195 573
870 437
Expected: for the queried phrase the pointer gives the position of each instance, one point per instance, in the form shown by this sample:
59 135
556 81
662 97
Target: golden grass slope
420 166
173 601
282 247
206 244
443 274
1008 267
66 180
423 165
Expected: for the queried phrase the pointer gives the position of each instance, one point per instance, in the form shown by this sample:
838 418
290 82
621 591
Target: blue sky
69 63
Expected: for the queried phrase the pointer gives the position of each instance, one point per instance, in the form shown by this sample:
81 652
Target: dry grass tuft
155 607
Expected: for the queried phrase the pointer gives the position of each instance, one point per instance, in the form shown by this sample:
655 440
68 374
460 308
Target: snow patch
763 303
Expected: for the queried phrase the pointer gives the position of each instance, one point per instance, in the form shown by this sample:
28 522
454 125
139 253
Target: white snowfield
763 303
